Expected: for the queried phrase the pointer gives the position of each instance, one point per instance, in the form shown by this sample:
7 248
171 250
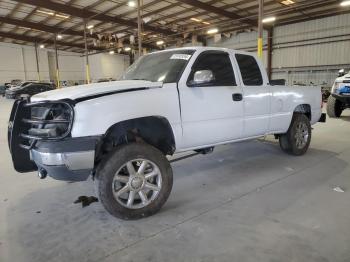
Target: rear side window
250 70
32 87
217 62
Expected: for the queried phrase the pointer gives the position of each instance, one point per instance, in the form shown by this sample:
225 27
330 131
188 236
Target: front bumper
71 159
345 99
63 158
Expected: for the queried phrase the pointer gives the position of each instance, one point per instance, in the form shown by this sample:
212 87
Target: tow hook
42 173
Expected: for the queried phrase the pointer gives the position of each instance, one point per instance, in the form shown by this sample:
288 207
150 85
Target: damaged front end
39 138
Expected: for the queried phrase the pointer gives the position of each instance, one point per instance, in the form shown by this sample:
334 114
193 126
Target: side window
27 88
219 63
250 70
33 88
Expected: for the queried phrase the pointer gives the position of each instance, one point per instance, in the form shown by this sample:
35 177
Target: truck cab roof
207 48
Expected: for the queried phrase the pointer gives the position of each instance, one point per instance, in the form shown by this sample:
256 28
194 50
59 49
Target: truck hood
82 91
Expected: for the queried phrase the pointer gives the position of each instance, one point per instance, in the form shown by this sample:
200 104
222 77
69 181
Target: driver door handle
237 97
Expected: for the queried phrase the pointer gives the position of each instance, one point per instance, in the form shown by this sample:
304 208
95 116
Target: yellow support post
88 73
58 78
260 47
260 29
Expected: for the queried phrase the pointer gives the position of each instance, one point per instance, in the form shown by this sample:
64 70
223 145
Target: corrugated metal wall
243 41
306 52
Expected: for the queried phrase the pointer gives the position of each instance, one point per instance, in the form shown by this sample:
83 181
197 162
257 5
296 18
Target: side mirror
202 77
341 72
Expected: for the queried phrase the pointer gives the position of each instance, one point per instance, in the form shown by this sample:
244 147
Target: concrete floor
245 202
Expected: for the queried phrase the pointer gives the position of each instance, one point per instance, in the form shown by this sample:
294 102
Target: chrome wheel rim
301 135
137 183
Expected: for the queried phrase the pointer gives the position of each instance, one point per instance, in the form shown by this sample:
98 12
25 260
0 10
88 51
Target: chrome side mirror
202 77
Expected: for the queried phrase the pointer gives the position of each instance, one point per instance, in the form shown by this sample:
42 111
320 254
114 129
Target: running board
203 151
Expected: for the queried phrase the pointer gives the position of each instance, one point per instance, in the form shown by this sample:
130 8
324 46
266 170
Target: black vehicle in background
102 80
28 88
15 82
3 90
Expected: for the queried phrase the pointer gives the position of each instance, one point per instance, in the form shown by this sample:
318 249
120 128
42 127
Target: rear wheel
334 107
134 181
298 137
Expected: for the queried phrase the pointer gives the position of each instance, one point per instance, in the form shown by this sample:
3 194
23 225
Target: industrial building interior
244 201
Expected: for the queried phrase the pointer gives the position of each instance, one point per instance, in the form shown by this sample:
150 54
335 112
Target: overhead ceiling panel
170 19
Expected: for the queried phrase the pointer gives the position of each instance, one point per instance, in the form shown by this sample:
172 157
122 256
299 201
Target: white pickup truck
167 102
339 100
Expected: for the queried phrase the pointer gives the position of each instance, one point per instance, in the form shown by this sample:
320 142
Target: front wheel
334 107
134 181
298 137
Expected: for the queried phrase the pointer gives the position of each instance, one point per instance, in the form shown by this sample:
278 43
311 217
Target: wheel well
304 109
154 130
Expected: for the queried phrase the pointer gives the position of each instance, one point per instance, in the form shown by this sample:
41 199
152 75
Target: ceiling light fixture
32 29
90 26
199 21
345 3
196 19
25 28
160 42
42 46
45 12
53 14
287 2
212 31
111 52
59 36
269 19
131 3
147 19
127 49
62 16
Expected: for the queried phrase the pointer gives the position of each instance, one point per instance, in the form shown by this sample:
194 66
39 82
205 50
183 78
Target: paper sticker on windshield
181 56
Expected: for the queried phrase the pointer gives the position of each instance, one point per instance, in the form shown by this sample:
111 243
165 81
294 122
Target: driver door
211 112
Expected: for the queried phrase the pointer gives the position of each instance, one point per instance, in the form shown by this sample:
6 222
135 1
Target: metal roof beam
51 29
47 41
38 26
313 16
219 11
87 14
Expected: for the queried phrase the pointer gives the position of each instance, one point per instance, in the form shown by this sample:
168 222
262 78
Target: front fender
94 117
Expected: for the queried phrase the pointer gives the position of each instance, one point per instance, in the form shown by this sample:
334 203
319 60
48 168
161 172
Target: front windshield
164 67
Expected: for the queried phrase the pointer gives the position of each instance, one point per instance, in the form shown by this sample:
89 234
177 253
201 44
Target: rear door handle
237 97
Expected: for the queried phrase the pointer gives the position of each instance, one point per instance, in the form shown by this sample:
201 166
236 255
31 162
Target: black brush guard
20 142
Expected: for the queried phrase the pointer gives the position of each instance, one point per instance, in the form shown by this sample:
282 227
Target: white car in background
167 102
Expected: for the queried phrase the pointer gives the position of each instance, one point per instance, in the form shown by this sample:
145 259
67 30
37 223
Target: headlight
49 120
335 87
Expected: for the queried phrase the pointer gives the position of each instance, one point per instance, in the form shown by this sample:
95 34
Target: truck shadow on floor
65 231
